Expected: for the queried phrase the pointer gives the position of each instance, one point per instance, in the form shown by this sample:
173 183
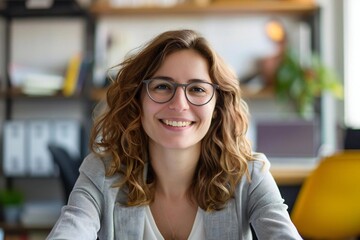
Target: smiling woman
170 158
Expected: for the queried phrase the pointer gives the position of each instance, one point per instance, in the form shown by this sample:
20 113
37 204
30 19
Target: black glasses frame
183 86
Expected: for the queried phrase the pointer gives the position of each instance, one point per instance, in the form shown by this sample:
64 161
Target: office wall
351 38
46 44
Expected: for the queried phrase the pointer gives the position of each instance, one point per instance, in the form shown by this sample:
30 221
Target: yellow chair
328 204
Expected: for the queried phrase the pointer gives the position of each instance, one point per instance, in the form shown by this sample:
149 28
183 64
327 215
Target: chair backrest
328 204
352 138
68 166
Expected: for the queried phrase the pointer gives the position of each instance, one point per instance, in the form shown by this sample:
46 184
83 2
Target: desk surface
291 174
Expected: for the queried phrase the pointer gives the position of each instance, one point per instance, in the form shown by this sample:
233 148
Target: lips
176 123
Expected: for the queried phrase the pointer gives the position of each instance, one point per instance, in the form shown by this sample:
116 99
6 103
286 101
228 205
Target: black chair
352 138
68 167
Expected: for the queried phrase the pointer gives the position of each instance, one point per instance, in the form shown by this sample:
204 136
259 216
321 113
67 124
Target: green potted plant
303 84
11 201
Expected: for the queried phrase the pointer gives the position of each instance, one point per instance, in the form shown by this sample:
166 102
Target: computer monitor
289 139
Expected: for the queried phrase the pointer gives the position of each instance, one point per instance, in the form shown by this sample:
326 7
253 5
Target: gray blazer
95 209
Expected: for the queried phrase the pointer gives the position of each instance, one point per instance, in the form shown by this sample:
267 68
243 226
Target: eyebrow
171 79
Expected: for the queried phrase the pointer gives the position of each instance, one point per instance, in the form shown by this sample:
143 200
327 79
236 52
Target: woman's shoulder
93 165
94 168
259 163
259 168
258 175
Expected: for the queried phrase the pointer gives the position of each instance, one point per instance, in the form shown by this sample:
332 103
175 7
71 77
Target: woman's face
178 124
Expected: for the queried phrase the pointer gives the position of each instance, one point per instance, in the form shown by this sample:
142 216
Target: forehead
184 64
184 54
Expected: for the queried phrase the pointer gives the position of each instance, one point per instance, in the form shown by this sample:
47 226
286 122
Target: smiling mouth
177 123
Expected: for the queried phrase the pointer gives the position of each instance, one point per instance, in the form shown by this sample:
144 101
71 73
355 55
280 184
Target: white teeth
176 124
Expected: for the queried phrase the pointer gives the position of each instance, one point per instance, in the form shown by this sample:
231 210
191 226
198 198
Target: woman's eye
197 89
162 86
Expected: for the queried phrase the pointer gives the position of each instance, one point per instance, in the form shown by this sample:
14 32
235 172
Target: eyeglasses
197 93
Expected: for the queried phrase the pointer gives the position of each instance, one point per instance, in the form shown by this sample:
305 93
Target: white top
151 232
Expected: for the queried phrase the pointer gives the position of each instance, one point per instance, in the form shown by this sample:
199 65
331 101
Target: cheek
211 107
146 104
144 110
149 110
145 122
207 114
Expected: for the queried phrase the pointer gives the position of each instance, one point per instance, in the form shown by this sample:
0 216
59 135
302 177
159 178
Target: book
72 75
83 74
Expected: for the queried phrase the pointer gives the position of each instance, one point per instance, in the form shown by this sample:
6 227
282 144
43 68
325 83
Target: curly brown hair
118 133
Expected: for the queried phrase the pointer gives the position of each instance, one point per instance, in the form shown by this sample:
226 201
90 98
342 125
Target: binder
14 162
40 160
67 134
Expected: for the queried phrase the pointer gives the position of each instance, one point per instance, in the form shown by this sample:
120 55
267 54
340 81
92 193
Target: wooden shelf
219 7
18 9
19 231
16 93
18 228
98 94
265 93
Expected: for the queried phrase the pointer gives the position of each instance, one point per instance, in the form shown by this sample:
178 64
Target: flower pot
12 214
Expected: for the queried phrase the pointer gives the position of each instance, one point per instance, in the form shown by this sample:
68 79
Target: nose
179 101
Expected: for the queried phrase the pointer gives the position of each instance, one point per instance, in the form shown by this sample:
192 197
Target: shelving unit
63 11
16 10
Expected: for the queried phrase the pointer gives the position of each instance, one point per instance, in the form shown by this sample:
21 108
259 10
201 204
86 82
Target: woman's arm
267 212
80 218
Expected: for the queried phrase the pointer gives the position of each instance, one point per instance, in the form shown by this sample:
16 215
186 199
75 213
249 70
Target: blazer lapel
222 224
129 222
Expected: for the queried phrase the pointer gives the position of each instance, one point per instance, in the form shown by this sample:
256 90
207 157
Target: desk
291 174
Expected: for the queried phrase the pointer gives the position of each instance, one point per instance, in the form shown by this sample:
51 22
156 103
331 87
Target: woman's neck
174 169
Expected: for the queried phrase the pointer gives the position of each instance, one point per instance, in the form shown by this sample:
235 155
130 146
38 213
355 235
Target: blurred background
295 59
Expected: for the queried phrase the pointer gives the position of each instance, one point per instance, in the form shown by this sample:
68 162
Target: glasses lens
160 90
199 93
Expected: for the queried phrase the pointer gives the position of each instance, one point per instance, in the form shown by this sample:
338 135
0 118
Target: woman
170 158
